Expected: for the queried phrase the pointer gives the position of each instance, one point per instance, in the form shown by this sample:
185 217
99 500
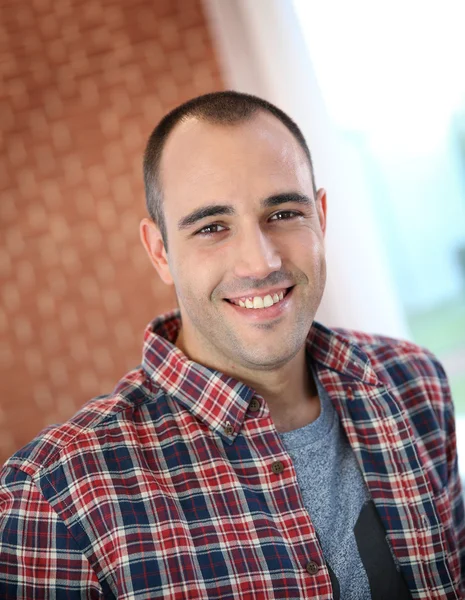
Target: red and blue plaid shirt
177 485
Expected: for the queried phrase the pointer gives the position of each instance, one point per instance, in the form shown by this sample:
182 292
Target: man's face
243 228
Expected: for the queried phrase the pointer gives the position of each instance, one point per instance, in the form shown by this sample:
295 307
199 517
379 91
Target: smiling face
245 241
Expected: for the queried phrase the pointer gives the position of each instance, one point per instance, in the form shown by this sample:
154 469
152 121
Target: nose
256 255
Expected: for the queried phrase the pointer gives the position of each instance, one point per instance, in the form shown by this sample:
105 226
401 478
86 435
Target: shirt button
312 568
228 429
254 405
277 467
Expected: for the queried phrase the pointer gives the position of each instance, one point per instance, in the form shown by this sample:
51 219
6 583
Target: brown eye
284 215
210 229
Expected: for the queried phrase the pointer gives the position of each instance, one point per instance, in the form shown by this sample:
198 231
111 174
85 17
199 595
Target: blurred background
377 91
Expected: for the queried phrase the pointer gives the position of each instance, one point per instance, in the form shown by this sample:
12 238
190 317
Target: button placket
306 545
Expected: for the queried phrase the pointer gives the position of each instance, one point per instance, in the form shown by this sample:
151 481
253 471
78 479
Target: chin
266 360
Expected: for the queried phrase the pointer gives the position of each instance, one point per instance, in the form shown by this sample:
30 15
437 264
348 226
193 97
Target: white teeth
257 302
267 301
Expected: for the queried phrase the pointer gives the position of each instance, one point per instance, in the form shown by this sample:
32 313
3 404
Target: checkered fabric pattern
177 486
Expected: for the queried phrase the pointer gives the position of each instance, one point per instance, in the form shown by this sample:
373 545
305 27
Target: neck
289 390
290 393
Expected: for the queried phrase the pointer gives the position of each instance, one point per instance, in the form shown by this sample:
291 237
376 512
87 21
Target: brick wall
83 84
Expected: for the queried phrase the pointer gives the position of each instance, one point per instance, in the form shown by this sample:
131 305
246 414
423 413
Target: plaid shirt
177 485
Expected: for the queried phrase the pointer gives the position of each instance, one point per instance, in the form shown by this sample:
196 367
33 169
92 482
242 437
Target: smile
260 302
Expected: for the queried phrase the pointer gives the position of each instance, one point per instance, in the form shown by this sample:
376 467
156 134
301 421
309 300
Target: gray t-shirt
335 494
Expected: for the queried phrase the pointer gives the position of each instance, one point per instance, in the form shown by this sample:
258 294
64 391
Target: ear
321 208
152 241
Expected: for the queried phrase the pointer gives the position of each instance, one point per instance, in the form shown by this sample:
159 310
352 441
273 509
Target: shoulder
415 378
57 443
413 374
396 361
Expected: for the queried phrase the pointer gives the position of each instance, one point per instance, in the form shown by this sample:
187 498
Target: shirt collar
219 400
332 349
216 399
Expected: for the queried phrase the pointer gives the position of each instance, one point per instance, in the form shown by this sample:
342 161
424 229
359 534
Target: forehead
204 162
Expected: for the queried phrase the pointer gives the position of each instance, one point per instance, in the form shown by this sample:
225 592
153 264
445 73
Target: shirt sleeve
38 556
454 485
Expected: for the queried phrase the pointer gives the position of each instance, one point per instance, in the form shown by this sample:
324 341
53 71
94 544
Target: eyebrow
278 199
213 210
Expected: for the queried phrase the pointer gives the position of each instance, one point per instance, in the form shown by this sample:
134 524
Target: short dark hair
223 108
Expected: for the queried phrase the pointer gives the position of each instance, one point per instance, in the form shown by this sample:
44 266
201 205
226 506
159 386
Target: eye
284 215
210 229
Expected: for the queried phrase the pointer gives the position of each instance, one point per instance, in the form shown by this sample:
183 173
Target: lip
263 314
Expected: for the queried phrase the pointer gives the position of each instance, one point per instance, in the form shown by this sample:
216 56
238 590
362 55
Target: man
255 453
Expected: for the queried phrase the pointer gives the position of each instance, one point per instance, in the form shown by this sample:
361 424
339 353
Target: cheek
309 258
196 276
305 248
318 260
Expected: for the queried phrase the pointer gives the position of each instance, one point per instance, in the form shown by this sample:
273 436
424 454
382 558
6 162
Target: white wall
262 51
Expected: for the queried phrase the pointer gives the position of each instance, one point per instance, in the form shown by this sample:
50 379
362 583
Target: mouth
269 304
